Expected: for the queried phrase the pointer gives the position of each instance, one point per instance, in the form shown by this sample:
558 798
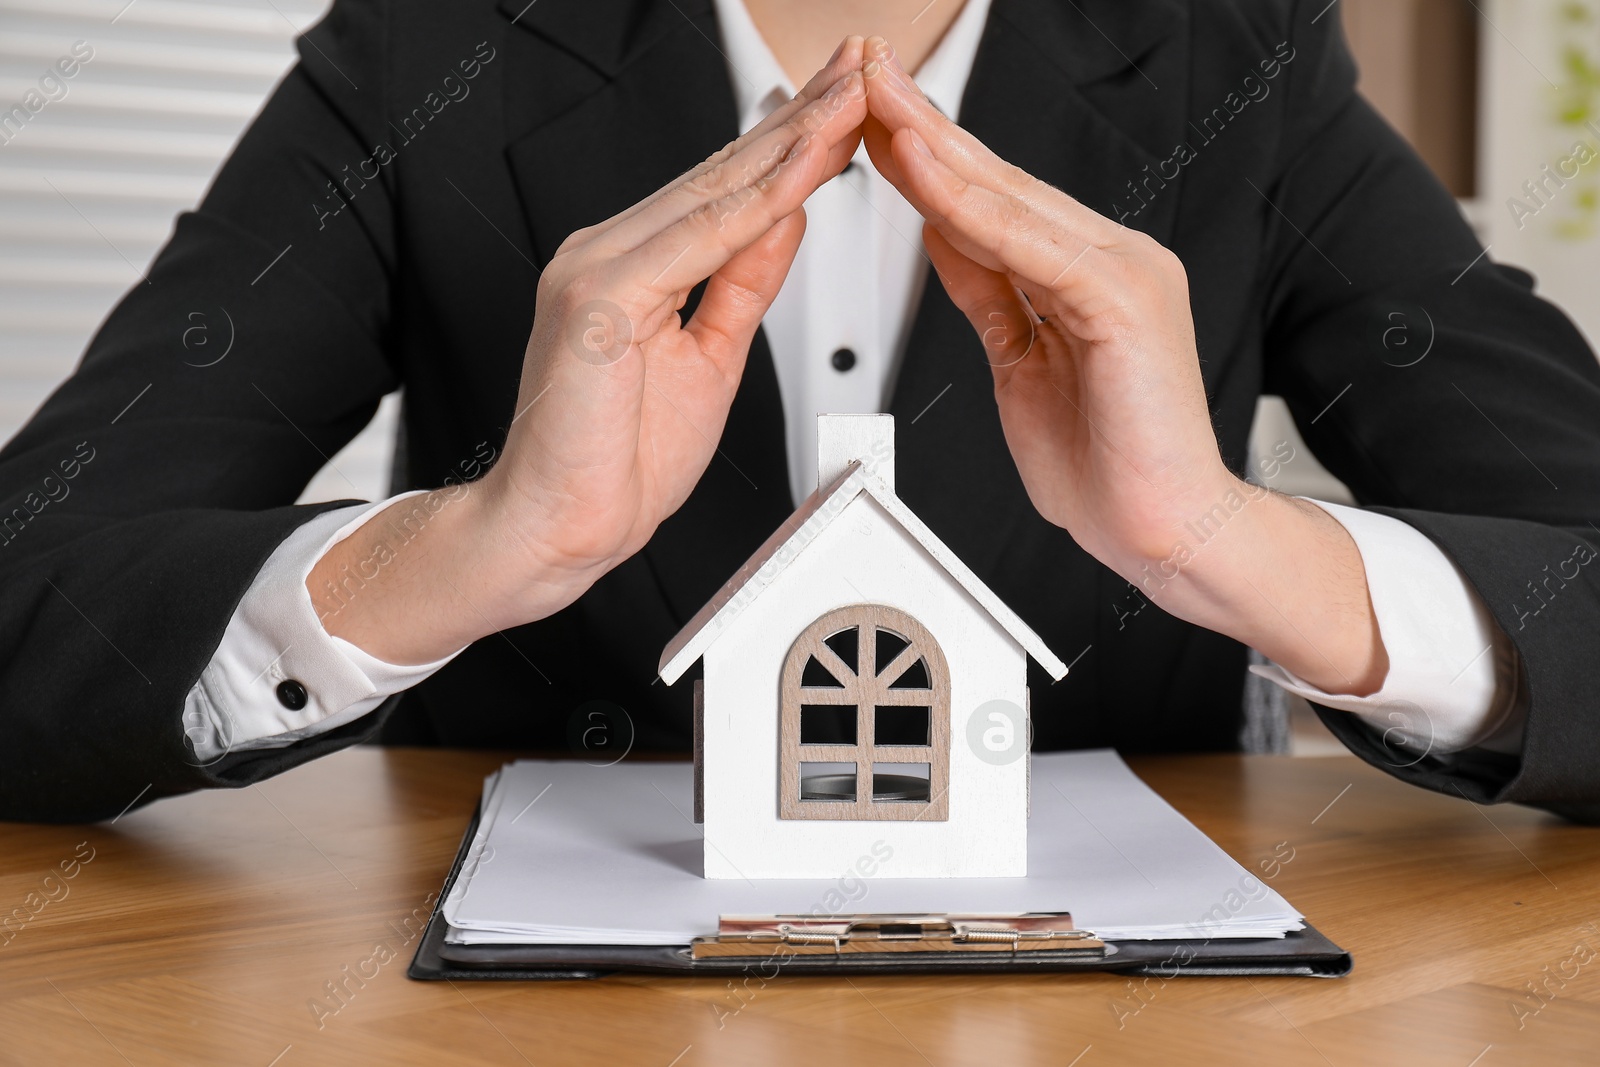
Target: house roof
800 530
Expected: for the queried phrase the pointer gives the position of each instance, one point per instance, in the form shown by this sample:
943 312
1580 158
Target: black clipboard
1305 953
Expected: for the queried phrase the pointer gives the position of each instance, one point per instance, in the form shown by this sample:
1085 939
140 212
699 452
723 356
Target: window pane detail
901 725
828 782
901 782
914 677
844 645
889 645
828 724
816 676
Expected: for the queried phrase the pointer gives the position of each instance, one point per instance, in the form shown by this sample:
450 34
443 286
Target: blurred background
91 183
1489 91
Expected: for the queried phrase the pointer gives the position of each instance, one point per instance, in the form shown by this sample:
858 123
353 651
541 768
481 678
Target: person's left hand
1088 329
1085 323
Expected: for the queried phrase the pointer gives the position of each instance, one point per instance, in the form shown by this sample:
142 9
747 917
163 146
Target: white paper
568 853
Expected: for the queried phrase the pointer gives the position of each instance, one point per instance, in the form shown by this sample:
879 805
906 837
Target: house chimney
843 439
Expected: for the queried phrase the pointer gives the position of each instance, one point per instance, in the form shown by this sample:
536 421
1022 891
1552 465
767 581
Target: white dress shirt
854 288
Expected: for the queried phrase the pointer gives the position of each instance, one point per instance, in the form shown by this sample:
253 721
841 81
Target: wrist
430 574
1279 575
1174 560
516 555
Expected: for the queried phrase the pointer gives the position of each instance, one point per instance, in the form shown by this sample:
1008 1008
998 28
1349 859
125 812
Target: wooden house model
863 709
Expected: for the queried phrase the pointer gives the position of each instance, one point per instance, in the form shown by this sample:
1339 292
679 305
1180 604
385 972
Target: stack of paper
568 853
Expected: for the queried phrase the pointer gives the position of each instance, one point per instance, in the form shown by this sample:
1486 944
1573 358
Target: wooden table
207 929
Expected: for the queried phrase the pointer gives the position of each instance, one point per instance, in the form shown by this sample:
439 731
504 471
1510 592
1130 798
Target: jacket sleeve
1435 384
140 500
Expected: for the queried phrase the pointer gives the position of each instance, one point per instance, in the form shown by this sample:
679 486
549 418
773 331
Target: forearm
1280 575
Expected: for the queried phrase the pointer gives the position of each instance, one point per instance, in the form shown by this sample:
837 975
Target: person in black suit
478 202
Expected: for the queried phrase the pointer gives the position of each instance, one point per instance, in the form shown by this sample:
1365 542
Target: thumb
741 291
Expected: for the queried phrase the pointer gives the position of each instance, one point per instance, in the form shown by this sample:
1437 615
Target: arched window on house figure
864 726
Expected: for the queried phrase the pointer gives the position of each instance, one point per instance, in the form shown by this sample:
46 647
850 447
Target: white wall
90 185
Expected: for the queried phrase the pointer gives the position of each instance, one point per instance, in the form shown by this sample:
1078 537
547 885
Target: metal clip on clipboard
768 935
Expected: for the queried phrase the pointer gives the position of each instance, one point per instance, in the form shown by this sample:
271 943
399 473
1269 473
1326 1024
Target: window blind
114 117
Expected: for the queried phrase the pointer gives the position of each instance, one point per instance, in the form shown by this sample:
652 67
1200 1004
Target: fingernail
891 58
918 143
872 69
837 52
890 63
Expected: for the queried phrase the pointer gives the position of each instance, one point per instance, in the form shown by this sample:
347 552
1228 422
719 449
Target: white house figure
864 705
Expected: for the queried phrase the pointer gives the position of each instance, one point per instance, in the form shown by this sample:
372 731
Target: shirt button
843 360
292 695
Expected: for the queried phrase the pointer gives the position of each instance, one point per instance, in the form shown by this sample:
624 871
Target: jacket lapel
608 100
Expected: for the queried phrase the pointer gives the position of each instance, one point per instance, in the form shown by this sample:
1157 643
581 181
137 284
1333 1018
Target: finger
833 118
878 50
877 137
1003 233
739 165
895 103
846 58
740 293
704 239
1006 326
840 155
880 131
973 163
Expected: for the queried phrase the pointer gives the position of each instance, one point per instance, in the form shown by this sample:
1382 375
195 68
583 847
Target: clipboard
872 944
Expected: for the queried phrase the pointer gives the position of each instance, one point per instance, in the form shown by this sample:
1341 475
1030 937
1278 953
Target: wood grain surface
211 928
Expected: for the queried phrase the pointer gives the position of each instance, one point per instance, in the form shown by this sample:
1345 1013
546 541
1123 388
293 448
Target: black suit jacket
383 221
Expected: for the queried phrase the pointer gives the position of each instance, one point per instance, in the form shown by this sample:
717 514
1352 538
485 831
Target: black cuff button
292 695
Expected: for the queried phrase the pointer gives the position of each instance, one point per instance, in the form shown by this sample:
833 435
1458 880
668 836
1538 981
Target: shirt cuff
275 637
1452 671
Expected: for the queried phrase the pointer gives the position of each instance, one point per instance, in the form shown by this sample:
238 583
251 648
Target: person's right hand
621 404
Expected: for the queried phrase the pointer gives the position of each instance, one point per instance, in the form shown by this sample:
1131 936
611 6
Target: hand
638 401
621 404
1087 327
